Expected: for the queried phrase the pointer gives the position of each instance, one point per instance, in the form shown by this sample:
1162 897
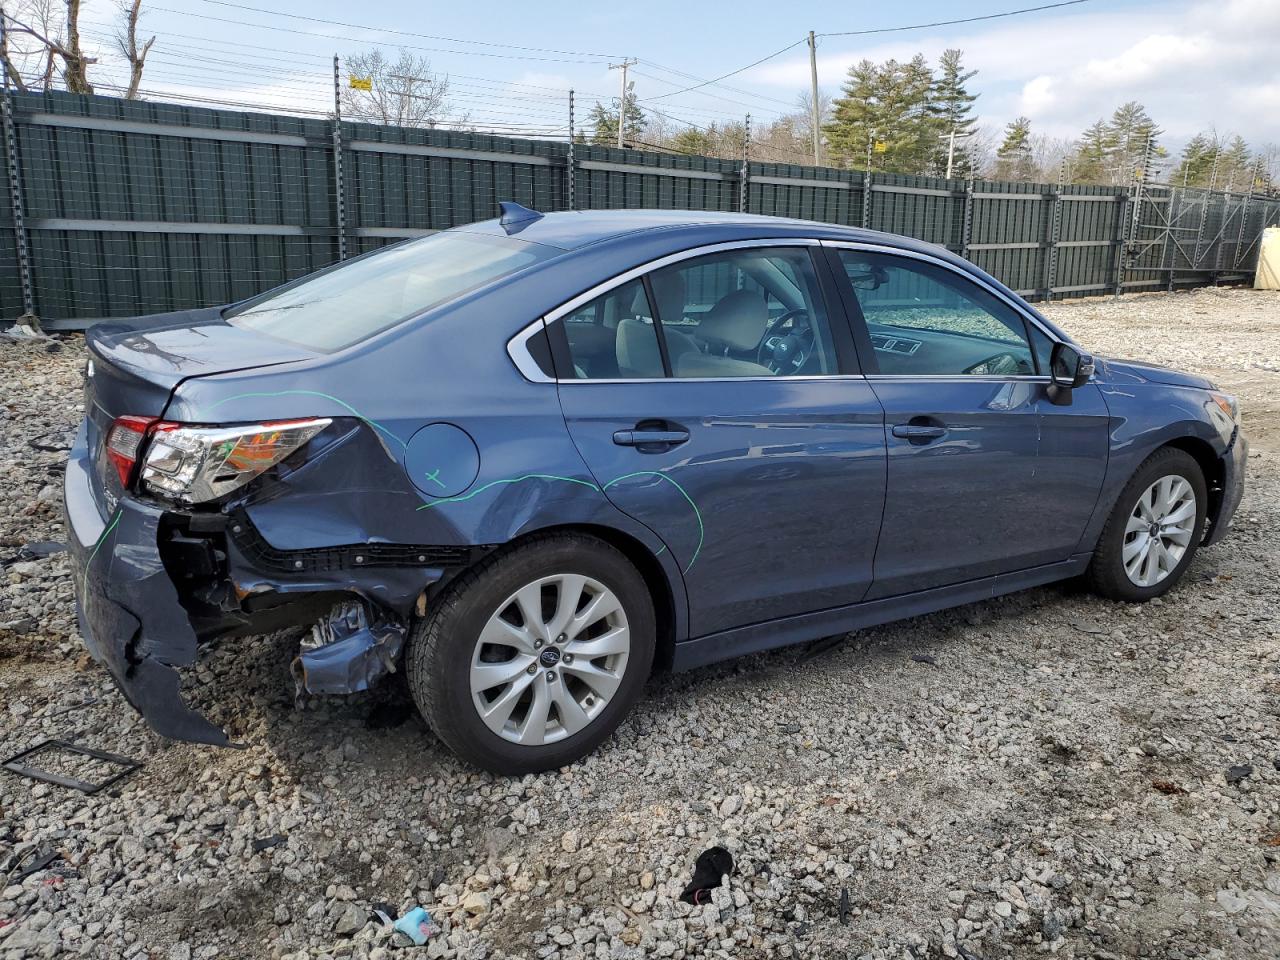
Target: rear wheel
532 659
1154 529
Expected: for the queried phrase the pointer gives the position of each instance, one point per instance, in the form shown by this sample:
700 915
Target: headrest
737 321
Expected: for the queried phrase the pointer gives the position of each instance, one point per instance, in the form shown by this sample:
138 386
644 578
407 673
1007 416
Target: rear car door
985 475
715 400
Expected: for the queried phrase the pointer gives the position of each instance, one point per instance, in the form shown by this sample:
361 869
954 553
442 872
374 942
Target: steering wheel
788 352
999 364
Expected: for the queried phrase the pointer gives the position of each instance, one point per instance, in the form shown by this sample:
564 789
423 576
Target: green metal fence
132 207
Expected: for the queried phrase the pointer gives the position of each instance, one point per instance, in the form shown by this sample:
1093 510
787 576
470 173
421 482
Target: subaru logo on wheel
549 657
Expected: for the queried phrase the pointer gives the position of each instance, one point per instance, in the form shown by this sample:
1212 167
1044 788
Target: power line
948 23
348 40
403 33
731 73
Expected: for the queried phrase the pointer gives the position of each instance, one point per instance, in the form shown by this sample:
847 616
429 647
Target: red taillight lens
124 442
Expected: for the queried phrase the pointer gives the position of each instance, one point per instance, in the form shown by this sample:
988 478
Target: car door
715 401
985 474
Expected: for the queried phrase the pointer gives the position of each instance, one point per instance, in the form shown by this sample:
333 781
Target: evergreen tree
886 106
1089 164
1196 162
1014 159
1236 166
1128 131
604 120
951 105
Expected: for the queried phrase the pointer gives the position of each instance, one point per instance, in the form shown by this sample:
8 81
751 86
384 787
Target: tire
446 655
1121 543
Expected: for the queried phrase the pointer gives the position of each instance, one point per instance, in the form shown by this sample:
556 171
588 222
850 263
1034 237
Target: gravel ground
1050 777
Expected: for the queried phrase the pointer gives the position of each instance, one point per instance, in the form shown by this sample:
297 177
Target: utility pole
813 97
951 150
622 99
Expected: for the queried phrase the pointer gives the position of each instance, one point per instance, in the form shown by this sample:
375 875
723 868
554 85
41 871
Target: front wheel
1154 529
529 661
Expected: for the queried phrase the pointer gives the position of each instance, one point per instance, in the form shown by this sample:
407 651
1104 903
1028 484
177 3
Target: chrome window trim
518 351
1017 307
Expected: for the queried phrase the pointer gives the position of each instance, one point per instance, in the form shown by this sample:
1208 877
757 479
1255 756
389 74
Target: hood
1137 371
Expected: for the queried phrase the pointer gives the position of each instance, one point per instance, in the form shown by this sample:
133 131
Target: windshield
337 308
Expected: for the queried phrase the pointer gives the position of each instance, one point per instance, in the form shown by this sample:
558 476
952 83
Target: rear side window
613 337
342 306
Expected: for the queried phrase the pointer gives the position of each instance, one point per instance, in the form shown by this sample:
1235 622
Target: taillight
124 440
196 464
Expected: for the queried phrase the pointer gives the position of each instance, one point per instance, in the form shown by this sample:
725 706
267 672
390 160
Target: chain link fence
118 208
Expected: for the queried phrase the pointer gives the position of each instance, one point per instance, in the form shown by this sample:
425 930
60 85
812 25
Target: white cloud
1194 66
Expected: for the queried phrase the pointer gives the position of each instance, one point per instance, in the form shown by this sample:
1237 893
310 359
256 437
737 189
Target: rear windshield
339 307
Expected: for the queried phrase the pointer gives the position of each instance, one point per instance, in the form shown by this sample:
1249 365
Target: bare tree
127 41
405 92
56 40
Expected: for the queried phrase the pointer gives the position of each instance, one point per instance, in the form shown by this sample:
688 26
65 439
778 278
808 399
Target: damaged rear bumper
152 585
130 615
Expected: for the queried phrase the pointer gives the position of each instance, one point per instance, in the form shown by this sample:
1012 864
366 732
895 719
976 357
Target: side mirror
1068 369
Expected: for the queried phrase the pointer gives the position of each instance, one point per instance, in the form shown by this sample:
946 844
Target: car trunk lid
135 365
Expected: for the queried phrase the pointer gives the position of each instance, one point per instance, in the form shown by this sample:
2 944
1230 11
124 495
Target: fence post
1171 220
1122 220
866 184
966 229
1055 235
1244 213
571 162
1221 240
744 177
340 203
12 163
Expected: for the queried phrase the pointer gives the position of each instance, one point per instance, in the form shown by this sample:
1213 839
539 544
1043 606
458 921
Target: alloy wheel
549 659
1159 530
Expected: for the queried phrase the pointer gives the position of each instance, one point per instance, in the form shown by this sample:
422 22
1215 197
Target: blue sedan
529 460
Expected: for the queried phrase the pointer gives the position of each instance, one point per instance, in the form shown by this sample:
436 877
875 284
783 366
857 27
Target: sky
1195 65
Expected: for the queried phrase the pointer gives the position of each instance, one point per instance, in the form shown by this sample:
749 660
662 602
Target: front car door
985 474
715 399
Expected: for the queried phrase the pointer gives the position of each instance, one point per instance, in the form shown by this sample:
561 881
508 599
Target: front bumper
1233 468
130 616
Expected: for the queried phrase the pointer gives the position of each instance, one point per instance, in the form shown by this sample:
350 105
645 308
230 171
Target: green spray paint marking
316 393
494 483
586 483
98 546
434 477
684 493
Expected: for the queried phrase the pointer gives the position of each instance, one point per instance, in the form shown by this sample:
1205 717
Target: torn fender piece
348 650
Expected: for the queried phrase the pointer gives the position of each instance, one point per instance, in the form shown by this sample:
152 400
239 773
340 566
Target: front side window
926 320
342 306
754 312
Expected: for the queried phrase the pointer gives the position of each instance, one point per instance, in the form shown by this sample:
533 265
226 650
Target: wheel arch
1211 466
668 597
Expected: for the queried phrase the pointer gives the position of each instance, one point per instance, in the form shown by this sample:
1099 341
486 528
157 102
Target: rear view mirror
1068 368
875 277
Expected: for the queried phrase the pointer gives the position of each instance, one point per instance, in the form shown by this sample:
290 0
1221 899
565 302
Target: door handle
636 438
918 431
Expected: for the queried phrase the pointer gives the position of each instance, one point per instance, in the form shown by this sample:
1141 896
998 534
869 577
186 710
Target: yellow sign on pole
881 146
360 83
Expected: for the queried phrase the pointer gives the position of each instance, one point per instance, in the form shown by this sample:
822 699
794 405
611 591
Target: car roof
570 230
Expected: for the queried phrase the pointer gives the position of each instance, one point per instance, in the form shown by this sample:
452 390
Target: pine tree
1014 160
1128 131
885 106
951 106
1236 166
1089 164
1196 162
604 120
